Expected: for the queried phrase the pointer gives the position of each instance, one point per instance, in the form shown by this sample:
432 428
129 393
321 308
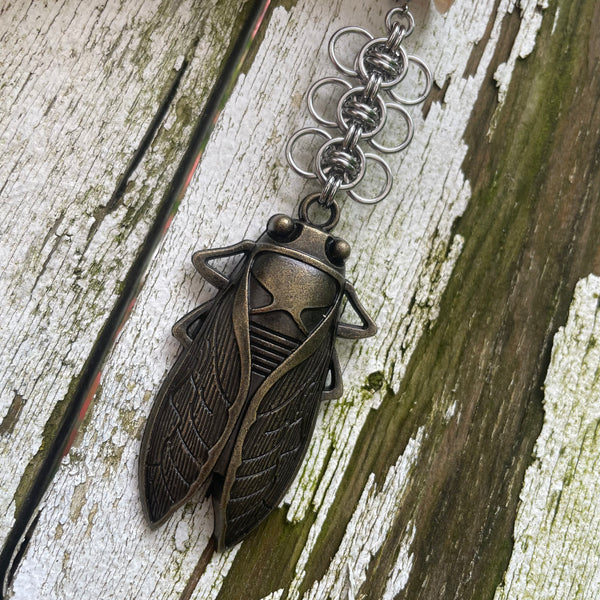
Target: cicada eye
281 228
338 250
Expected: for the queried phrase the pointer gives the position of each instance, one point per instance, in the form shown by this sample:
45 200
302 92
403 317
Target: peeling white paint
182 536
450 412
80 85
556 552
210 583
403 255
398 577
531 21
556 17
275 595
367 530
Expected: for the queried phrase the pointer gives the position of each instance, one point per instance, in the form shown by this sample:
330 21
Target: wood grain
555 552
412 481
88 91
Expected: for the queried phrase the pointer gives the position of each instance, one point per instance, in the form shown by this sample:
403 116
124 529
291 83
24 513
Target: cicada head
300 236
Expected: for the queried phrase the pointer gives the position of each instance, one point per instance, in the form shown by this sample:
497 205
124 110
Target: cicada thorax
287 300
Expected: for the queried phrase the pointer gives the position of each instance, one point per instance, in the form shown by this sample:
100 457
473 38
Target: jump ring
352 137
362 69
328 193
409 134
404 15
366 133
395 37
389 180
372 86
428 84
312 91
331 47
290 146
323 177
334 209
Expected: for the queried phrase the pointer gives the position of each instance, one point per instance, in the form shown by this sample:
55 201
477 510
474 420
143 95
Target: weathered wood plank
243 135
81 87
555 553
530 233
412 481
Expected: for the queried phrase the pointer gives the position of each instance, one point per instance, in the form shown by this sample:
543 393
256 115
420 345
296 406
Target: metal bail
333 208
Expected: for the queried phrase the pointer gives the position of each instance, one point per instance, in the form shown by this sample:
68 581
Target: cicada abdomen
236 412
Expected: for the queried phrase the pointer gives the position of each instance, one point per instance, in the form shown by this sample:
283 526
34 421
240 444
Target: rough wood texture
412 481
555 553
81 87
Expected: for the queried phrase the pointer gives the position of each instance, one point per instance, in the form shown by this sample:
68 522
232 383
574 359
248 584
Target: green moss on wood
529 236
270 555
375 381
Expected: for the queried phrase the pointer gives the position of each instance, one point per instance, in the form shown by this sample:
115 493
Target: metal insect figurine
237 410
235 414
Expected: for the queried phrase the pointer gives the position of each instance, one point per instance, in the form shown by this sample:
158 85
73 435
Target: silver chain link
380 65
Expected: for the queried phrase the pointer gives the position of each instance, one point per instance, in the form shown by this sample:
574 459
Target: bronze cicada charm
235 414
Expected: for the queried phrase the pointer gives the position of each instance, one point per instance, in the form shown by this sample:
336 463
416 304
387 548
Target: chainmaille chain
380 65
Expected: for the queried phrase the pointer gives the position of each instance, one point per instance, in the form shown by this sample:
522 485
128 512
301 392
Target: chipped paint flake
210 583
450 411
556 16
367 531
398 578
182 536
531 21
556 533
275 595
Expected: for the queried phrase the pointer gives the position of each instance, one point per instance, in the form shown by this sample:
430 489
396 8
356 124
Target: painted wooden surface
556 553
81 85
411 484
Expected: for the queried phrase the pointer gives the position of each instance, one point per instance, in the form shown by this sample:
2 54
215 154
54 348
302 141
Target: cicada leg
335 386
354 332
186 329
200 260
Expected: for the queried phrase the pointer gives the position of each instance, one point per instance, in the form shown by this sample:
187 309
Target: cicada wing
193 414
274 446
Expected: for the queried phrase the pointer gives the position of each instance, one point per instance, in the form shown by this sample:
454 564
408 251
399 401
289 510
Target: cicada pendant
235 414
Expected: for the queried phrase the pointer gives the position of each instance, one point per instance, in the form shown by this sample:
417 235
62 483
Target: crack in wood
199 569
12 416
122 185
17 557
